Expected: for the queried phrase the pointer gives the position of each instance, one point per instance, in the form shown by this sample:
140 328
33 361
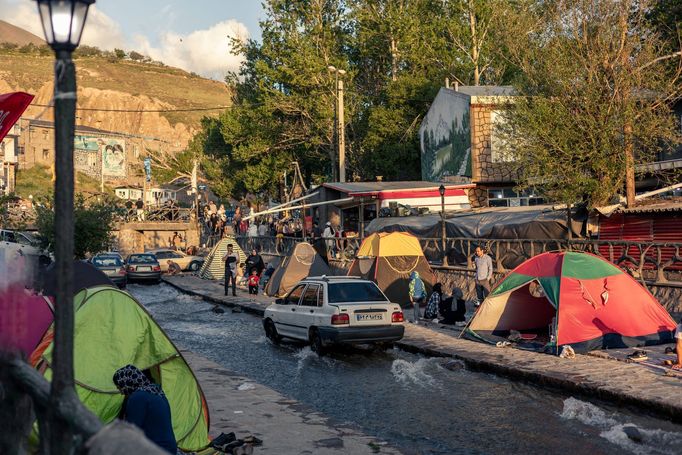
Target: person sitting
453 308
146 406
173 268
432 305
254 278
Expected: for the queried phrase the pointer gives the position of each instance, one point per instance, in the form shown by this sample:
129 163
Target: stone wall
139 237
483 167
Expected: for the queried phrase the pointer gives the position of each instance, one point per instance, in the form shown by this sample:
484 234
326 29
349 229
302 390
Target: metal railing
157 215
652 262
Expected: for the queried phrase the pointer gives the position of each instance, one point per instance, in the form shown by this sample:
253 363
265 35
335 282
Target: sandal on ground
253 440
669 350
638 356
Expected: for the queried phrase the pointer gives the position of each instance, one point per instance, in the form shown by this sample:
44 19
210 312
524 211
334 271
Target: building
9 147
357 203
116 158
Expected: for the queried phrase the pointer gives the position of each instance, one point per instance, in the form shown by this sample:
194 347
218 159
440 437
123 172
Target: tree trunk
394 60
629 164
474 43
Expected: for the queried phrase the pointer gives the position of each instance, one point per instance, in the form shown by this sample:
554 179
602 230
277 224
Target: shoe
223 439
234 295
670 350
638 356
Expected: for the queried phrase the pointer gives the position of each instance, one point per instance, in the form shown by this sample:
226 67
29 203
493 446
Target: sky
192 34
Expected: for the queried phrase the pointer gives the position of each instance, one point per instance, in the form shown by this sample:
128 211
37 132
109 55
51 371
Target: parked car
326 311
17 243
185 261
143 267
113 267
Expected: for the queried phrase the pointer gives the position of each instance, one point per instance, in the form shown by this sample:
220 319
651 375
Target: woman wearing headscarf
146 406
417 294
434 302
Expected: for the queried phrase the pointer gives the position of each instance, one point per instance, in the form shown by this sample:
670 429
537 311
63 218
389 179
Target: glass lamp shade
63 22
441 190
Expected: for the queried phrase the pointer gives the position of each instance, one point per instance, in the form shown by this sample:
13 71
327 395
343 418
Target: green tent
112 330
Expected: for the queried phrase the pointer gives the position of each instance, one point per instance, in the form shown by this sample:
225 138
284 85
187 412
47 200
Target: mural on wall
445 137
96 155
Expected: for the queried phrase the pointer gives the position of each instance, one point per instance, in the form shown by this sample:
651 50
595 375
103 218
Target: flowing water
413 402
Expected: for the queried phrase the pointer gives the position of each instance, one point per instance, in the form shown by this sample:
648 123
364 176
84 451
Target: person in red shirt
253 282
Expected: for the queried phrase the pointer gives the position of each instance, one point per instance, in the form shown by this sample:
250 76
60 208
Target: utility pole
340 124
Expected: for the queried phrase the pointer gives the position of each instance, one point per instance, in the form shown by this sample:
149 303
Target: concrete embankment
239 405
617 382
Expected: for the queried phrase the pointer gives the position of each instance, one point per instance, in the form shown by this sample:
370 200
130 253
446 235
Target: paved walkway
286 427
590 375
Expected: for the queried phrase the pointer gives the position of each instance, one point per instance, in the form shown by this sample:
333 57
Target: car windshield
142 259
355 292
107 261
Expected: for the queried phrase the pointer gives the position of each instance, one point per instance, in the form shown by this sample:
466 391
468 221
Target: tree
597 88
136 56
93 223
120 54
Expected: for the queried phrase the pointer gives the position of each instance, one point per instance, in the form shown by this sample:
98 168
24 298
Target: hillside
106 82
12 34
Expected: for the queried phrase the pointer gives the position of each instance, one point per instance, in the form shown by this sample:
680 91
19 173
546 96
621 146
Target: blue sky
193 35
158 16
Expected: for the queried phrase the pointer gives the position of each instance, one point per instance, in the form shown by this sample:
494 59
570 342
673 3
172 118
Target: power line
196 109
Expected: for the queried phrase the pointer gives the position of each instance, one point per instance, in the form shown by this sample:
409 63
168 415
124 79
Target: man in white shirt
231 261
328 235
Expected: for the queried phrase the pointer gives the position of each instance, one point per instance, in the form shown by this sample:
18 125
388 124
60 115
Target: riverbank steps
591 376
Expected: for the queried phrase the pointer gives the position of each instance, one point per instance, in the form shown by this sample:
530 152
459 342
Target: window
162 255
176 256
499 148
310 296
294 296
507 197
355 293
46 153
106 261
142 259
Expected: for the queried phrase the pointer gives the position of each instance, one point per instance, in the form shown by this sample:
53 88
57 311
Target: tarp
24 318
112 330
12 105
304 261
213 267
576 299
85 275
388 259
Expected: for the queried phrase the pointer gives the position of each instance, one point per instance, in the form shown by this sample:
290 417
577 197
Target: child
253 282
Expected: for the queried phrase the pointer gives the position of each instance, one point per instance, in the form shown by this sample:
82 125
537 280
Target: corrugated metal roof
652 208
487 90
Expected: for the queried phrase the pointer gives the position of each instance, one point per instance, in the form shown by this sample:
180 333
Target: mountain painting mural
445 137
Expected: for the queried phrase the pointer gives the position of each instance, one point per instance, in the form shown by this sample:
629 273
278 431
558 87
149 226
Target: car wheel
194 266
316 343
271 331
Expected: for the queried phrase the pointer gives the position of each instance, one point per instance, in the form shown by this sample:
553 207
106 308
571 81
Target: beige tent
214 268
301 263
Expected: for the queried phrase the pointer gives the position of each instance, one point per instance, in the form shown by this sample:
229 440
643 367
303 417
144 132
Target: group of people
453 308
251 270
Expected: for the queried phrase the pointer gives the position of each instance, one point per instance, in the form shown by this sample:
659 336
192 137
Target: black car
143 267
113 267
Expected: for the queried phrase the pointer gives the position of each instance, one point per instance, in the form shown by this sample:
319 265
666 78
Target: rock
237 310
217 309
633 433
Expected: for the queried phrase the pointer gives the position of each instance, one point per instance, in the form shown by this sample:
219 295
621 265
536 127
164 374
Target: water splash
247 386
409 373
653 442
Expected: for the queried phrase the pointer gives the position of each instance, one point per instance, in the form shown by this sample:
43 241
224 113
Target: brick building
459 145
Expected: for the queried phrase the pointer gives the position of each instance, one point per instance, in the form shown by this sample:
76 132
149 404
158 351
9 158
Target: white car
332 310
185 261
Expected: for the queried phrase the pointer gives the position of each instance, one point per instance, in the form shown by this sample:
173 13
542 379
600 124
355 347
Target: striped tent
213 268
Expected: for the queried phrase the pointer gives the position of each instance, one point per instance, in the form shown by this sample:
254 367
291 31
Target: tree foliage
596 80
93 224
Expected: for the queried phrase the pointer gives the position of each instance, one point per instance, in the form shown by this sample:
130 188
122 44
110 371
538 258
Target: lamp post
340 124
443 233
63 22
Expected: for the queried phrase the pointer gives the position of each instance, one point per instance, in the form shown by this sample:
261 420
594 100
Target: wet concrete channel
416 403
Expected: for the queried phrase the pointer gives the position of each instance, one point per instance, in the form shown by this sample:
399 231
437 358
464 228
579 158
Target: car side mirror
279 301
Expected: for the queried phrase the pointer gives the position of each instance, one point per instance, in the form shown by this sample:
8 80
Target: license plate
144 269
369 317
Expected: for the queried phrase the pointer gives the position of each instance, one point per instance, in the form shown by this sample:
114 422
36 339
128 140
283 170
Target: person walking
231 260
484 272
146 406
417 294
139 206
329 238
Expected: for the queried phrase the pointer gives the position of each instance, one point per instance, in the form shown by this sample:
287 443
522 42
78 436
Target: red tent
572 298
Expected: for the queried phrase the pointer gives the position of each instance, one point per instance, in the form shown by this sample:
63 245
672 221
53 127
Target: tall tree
598 84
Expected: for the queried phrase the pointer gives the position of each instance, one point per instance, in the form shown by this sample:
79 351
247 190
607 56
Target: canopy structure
304 261
388 259
571 298
213 267
113 330
86 276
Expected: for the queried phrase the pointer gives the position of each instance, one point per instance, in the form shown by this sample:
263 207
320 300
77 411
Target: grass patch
37 182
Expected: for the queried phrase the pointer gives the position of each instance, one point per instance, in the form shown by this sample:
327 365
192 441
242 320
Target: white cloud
100 29
206 52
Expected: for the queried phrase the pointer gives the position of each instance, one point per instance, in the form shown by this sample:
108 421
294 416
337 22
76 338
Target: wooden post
629 165
361 219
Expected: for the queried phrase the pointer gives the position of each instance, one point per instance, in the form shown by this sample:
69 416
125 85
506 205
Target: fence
658 263
157 214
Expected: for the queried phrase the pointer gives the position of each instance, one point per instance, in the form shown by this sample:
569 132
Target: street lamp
443 239
63 22
340 125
